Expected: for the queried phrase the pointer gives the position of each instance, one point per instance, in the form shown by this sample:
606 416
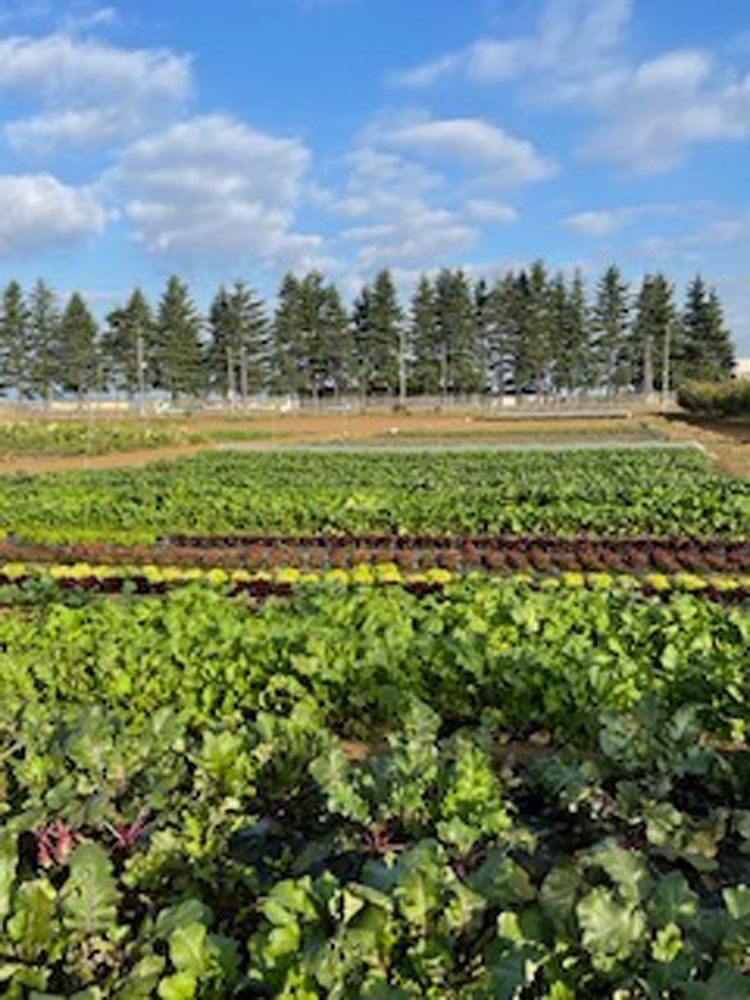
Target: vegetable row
89 437
501 554
44 580
351 795
462 493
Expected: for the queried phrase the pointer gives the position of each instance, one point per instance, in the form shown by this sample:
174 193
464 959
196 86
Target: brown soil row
728 443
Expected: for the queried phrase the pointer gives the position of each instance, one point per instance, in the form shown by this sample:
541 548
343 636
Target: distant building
742 367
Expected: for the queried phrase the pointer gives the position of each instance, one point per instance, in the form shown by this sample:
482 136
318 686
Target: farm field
320 724
42 444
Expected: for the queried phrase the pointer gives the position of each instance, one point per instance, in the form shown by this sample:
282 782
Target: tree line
529 331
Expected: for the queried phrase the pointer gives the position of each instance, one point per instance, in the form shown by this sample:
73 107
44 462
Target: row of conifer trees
529 331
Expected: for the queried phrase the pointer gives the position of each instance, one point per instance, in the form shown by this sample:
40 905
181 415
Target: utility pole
230 377
666 365
402 367
140 362
648 367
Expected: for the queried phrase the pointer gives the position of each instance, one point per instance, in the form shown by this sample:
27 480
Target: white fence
593 404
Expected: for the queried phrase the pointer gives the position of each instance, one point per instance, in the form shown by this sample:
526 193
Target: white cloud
396 200
91 92
607 221
39 212
505 158
652 114
656 112
383 182
214 187
84 20
603 222
570 35
427 239
409 212
484 210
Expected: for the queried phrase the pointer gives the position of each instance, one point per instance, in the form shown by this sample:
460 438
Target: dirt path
116 460
727 444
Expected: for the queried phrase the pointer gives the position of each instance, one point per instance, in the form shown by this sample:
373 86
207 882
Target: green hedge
717 399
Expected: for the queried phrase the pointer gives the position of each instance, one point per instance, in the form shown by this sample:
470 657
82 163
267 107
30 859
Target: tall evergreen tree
530 329
654 321
251 335
127 345
385 338
423 335
178 354
337 349
313 334
539 340
503 331
572 351
559 304
287 360
239 355
313 323
16 358
44 333
611 324
485 329
457 341
80 371
361 325
703 347
221 356
520 324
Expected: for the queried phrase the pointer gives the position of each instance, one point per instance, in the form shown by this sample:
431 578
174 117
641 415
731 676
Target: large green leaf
8 861
33 926
90 895
611 927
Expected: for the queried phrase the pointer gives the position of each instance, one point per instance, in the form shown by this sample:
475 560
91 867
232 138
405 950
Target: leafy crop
462 493
533 658
402 781
79 437
363 795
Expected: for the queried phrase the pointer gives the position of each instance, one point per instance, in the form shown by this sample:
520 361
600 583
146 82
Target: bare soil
728 443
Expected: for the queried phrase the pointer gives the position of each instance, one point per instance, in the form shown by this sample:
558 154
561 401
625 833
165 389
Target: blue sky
246 137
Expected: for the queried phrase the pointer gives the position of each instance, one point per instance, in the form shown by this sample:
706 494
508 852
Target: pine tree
178 360
423 334
457 341
336 358
287 359
16 357
221 356
703 347
44 333
313 334
572 370
385 337
127 345
361 324
251 337
520 327
530 329
611 315
655 317
538 346
502 333
239 351
79 361
559 321
485 329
